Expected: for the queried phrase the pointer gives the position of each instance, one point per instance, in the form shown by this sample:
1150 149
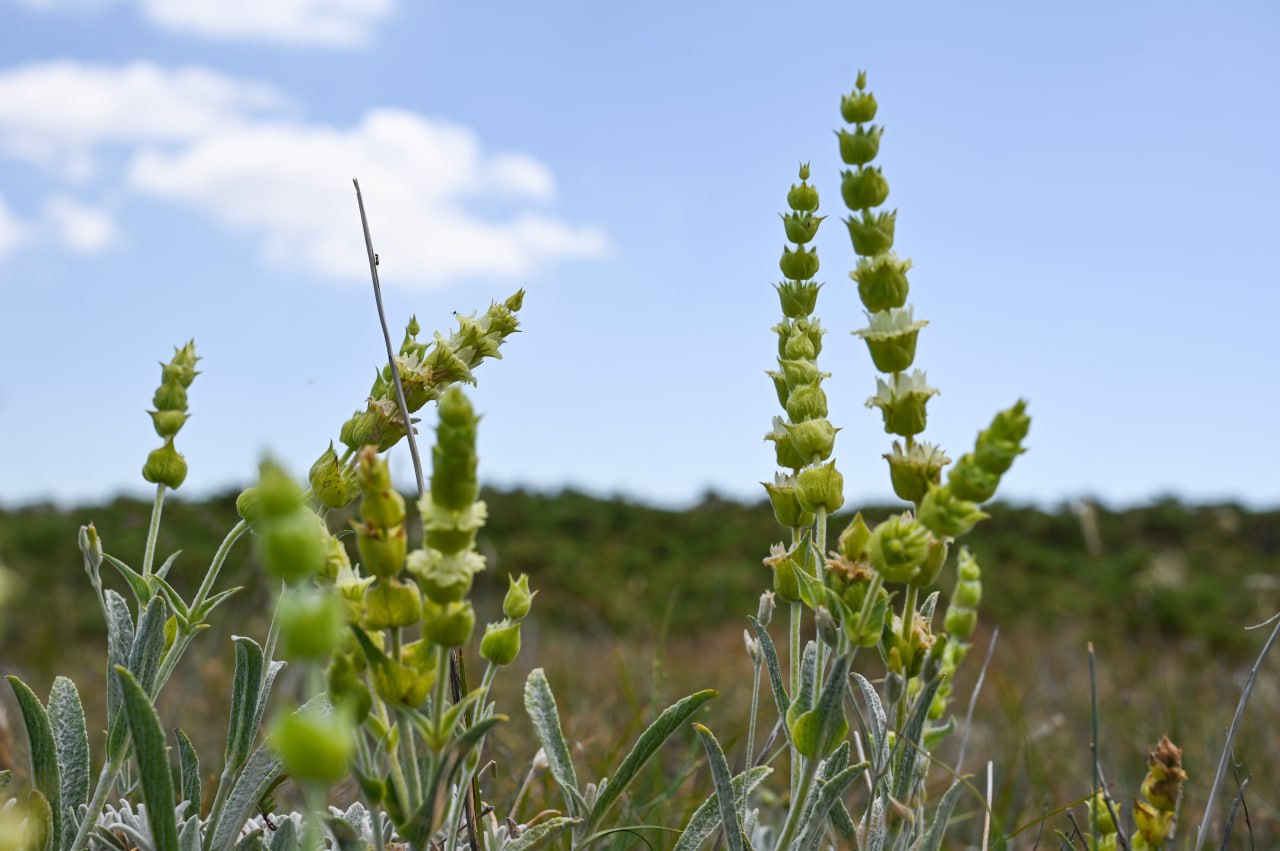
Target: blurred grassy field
639 606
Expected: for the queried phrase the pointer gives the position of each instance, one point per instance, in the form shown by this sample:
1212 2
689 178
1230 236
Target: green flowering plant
865 592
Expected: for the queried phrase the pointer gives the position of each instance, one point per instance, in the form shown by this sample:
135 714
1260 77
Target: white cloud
57 113
12 232
290 183
441 206
81 228
334 23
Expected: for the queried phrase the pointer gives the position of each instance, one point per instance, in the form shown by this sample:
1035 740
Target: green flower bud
170 396
1001 443
902 402
995 456
812 440
764 612
779 386
249 506
453 477
807 402
402 685
797 345
390 603
798 372
514 303
798 298
501 643
872 234
1154 826
315 744
330 483
785 499
182 367
802 198
898 547
785 449
381 505
859 106
861 146
882 281
168 423
165 466
891 337
914 470
821 487
969 481
967 595
853 540
799 265
449 625
336 561
293 547
785 582
312 623
864 188
1012 423
278 494
1100 814
451 531
932 566
946 515
382 551
801 228
444 577
518 600
346 690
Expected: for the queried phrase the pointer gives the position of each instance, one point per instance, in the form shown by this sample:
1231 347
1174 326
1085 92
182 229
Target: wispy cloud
330 23
12 232
237 151
80 227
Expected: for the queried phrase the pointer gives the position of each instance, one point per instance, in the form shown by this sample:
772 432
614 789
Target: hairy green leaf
541 833
45 775
151 749
246 683
828 796
706 818
941 816
770 652
262 770
540 703
66 715
723 783
907 747
645 747
189 768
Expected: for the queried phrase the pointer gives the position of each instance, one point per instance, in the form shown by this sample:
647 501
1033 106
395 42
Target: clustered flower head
426 369
166 466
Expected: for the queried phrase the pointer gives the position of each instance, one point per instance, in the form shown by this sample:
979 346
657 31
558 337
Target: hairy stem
153 531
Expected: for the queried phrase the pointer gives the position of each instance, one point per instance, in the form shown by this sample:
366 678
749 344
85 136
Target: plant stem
105 781
908 621
820 549
795 810
153 531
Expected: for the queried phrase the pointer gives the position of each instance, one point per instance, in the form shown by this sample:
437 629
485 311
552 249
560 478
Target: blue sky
1088 192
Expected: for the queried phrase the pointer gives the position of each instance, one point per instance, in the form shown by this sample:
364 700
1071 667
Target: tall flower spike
166 466
805 437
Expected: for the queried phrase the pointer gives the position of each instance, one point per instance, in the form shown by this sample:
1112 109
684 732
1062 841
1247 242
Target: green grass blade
66 715
706 818
645 747
723 782
540 703
45 775
151 748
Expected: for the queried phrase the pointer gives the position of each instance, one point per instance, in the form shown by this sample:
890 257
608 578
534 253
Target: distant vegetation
614 568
